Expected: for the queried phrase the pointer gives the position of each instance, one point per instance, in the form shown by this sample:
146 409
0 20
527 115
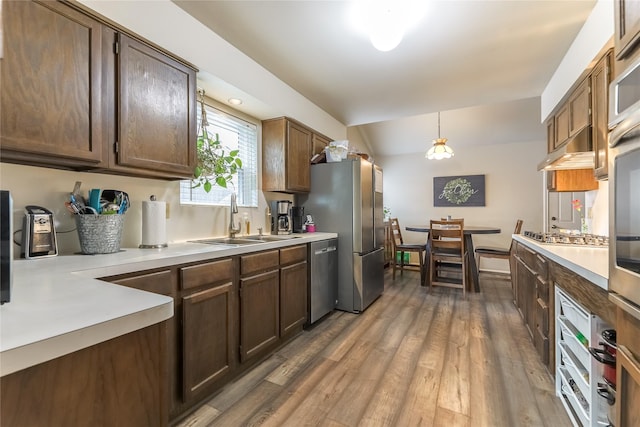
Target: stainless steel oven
624 185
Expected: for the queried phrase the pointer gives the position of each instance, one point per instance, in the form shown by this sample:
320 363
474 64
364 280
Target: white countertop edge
575 260
23 357
20 351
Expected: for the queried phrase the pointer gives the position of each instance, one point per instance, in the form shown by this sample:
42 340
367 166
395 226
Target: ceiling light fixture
386 28
440 149
235 101
386 21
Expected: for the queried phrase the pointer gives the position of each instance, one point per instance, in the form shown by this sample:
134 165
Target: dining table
469 231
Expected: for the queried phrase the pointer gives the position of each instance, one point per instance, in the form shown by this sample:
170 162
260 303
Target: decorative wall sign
466 190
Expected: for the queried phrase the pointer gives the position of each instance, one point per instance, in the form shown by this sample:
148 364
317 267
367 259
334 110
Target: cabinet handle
532 271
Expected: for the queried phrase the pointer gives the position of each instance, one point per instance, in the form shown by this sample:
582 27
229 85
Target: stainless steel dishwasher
323 278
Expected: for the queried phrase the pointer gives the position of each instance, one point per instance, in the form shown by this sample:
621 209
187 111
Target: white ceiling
483 63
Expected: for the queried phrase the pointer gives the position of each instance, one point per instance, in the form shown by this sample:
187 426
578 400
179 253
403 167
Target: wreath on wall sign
458 191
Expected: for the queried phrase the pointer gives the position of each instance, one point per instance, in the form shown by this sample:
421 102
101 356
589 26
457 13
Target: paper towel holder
157 246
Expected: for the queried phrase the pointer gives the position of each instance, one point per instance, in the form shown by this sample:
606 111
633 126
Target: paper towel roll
154 224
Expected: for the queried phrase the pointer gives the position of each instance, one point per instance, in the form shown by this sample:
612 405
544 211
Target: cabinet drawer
542 316
208 273
541 266
293 254
159 282
527 255
262 261
542 288
541 343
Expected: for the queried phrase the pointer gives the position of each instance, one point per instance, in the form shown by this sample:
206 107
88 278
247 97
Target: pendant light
440 149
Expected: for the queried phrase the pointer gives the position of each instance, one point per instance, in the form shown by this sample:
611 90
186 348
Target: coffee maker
281 217
297 216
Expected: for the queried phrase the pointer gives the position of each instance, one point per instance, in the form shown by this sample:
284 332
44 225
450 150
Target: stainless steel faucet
233 230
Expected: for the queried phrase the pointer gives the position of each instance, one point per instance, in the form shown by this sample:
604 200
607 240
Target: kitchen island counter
590 262
58 306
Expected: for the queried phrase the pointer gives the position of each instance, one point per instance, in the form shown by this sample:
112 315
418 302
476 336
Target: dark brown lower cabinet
207 340
532 297
293 290
207 308
259 314
119 382
293 298
229 313
627 369
160 282
526 278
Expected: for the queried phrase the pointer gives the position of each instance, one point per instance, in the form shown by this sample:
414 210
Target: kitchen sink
240 241
228 241
271 238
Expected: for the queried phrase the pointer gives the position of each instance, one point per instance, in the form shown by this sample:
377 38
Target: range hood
575 154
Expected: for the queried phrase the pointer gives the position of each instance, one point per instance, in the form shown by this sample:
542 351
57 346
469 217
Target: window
234 133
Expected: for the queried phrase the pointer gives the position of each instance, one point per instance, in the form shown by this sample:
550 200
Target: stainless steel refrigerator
346 197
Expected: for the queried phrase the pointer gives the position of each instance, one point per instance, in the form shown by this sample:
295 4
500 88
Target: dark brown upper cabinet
627 27
287 149
156 117
52 106
81 95
600 79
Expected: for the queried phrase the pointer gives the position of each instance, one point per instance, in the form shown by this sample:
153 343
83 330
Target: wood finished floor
413 358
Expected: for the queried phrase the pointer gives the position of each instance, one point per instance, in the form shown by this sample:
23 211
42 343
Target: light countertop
58 306
590 262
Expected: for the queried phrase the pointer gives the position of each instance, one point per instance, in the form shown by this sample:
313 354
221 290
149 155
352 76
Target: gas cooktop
568 238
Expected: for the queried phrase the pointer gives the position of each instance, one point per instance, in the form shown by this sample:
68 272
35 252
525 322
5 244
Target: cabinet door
52 108
297 162
259 314
580 107
526 294
156 111
208 338
628 387
600 79
161 282
627 27
551 135
318 144
562 126
293 298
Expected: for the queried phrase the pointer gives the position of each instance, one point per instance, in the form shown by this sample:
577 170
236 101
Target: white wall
164 23
50 188
513 190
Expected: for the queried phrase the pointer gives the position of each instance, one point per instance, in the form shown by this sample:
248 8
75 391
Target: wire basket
99 234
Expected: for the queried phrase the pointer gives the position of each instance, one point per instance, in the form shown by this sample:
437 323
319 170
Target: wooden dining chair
496 252
401 247
446 248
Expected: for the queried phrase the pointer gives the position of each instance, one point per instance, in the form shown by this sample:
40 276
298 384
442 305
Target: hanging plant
216 163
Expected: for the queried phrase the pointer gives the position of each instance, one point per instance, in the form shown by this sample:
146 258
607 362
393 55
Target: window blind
234 133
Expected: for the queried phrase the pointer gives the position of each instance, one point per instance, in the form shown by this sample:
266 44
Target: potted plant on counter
216 164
